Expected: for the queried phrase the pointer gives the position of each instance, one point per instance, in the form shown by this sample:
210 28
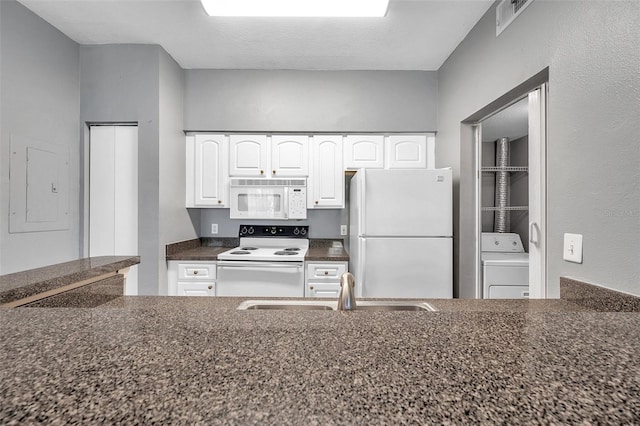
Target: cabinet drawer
325 271
196 289
329 290
196 271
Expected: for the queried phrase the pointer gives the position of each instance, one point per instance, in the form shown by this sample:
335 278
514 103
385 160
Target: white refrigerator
400 233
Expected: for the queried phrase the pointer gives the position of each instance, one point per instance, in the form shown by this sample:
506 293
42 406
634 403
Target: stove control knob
274 230
243 231
296 231
251 230
303 231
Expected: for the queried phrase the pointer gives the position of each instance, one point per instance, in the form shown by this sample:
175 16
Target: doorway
113 195
510 152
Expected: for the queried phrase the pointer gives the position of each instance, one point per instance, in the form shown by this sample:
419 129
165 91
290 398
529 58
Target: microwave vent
268 182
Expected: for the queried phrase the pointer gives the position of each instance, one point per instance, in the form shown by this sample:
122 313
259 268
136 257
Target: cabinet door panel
326 271
248 155
289 155
364 151
195 289
406 152
326 180
210 171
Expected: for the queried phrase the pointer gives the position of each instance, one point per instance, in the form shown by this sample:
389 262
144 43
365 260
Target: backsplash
597 298
322 223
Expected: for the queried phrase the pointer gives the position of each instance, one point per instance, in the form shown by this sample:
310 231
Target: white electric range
268 263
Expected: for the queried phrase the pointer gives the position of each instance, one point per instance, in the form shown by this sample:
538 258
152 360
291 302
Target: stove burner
248 248
240 252
292 249
285 253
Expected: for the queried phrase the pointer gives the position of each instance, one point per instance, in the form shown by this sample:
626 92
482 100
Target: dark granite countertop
35 281
200 361
319 250
199 253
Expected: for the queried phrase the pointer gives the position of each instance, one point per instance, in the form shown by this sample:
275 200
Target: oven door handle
259 265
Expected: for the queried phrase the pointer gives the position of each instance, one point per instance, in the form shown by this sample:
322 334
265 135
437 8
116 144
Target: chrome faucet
347 297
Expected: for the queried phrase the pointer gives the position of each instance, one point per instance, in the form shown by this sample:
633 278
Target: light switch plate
572 251
214 228
343 229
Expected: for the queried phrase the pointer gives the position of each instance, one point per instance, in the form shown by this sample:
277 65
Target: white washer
505 266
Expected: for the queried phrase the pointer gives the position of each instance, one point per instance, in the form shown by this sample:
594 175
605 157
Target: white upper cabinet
326 180
249 155
363 151
263 156
289 155
406 152
207 171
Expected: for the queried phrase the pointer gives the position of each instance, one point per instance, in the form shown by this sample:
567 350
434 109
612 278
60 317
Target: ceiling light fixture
297 8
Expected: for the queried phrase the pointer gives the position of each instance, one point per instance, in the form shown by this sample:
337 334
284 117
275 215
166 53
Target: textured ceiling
415 34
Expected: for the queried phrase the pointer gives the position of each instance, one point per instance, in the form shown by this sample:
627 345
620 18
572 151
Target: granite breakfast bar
200 361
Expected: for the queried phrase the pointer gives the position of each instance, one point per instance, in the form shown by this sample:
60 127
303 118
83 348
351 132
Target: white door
248 155
406 152
537 193
363 151
406 268
407 203
289 155
211 171
327 175
113 195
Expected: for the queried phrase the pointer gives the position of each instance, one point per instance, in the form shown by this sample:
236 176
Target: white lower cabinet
191 278
323 279
195 289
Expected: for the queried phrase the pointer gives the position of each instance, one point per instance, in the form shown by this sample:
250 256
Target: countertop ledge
191 360
319 250
20 285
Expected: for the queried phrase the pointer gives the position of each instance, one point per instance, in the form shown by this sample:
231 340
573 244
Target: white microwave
268 198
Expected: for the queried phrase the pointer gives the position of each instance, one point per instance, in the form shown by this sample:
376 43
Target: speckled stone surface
319 250
88 296
327 249
173 248
200 361
19 285
597 298
199 253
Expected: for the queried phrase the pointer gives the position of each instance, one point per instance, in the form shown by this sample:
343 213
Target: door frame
131 274
471 132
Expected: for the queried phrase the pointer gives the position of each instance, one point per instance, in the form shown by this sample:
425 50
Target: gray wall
125 83
40 99
322 223
593 158
299 101
175 222
348 101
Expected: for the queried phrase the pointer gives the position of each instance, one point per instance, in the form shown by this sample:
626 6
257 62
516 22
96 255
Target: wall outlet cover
343 230
214 228
572 251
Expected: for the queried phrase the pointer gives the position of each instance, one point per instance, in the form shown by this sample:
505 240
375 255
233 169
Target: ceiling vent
507 11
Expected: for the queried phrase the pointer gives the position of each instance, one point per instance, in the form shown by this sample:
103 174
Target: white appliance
268 263
400 242
268 198
505 266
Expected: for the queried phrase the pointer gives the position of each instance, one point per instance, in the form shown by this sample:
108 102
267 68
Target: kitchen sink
320 305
